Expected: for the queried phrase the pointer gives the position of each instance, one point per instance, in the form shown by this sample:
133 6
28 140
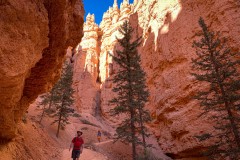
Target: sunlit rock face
168 29
86 68
34 38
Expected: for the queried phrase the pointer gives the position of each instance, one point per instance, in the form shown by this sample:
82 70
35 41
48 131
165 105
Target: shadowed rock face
168 29
34 38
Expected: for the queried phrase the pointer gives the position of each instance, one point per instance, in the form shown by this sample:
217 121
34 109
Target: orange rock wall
168 29
34 38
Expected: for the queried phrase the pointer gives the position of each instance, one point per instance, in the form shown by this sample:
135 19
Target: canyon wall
168 29
34 38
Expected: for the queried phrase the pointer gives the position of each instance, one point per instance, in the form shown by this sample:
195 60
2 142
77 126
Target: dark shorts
75 153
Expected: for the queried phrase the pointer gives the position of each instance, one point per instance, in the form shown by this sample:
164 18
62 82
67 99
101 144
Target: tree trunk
133 129
143 134
226 104
142 130
59 124
130 97
133 137
232 121
60 116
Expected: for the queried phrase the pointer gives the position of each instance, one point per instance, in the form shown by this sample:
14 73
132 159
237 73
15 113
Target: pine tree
132 93
47 99
63 98
142 98
44 102
216 65
52 95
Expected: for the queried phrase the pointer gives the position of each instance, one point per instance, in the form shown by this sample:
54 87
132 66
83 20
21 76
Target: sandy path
103 142
86 155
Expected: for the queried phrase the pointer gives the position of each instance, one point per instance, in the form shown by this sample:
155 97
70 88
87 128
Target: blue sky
98 7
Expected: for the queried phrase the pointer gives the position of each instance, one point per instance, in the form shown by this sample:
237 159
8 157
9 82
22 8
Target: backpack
77 143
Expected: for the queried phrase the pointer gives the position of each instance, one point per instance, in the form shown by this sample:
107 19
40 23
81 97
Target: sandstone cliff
86 68
34 38
168 29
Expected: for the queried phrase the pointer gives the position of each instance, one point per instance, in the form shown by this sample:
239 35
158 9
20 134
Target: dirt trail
89 125
86 155
103 142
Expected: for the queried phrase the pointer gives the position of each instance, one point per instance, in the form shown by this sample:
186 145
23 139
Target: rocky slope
168 29
34 38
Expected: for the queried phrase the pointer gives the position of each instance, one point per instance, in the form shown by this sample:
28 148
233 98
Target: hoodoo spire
126 1
115 3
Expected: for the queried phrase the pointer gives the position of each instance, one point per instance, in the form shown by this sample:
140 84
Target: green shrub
76 115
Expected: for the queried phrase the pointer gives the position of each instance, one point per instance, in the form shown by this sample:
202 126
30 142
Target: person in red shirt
77 145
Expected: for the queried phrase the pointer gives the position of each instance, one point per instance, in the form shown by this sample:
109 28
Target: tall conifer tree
131 91
44 102
217 65
47 99
63 98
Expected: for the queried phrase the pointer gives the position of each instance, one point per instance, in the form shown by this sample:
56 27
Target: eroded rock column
86 68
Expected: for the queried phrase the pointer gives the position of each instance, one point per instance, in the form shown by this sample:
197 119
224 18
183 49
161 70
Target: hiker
77 145
99 134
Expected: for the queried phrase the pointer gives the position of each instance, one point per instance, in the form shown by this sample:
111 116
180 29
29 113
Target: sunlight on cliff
162 15
98 41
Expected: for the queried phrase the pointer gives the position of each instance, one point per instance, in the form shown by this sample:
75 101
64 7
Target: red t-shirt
77 143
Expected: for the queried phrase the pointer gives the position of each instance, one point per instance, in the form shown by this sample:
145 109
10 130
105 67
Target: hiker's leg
77 155
73 155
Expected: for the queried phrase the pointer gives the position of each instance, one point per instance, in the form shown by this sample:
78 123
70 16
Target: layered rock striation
168 29
34 38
